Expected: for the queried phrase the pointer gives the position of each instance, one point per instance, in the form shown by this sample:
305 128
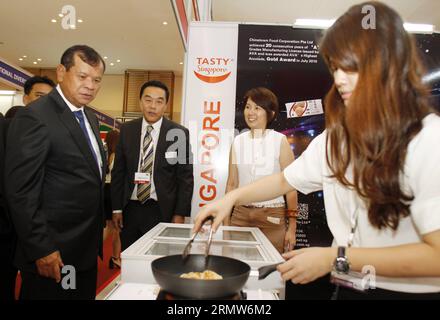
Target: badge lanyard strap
353 226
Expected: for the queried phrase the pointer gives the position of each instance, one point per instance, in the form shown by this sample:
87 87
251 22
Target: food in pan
205 275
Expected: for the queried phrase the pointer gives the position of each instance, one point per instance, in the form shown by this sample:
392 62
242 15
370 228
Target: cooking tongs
187 248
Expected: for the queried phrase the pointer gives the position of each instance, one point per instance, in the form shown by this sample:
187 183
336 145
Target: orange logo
212 70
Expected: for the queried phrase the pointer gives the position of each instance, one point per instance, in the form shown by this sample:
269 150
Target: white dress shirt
155 135
88 127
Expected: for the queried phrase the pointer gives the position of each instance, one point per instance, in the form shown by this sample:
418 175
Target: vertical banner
209 105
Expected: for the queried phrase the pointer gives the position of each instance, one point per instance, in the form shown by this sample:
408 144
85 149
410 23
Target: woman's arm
418 259
410 260
232 182
286 158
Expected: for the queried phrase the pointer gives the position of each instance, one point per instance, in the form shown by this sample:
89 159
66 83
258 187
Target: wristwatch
341 263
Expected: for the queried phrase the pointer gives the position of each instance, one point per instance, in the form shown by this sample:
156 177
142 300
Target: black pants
382 294
35 287
138 219
8 272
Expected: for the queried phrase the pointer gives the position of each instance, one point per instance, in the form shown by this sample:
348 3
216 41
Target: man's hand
178 219
50 266
117 221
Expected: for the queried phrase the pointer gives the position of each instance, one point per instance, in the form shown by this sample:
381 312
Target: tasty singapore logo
212 69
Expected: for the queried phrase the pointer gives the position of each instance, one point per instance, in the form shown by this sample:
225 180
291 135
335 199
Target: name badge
170 154
141 177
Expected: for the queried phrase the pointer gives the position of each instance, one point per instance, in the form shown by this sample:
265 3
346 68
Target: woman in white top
258 153
377 163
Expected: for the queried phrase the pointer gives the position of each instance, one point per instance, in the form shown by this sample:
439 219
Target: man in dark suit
55 183
152 177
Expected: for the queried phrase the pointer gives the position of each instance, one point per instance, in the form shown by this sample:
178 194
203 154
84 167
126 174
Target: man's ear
25 99
61 71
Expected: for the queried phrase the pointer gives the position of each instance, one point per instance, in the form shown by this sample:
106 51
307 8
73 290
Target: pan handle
264 271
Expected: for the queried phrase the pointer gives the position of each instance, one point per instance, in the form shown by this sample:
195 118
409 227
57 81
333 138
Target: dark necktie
143 191
80 116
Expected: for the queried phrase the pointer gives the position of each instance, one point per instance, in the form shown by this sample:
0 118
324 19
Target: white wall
110 98
7 101
177 99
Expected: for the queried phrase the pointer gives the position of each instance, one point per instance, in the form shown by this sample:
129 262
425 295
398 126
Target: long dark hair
385 111
111 140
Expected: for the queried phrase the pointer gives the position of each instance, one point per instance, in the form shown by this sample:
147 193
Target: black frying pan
167 271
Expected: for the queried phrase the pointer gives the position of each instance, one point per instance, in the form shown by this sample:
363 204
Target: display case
246 244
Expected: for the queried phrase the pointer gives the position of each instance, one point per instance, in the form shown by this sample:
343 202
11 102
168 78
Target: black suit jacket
173 177
6 230
53 185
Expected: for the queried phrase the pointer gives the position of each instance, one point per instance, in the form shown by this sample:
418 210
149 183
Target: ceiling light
105 58
180 62
164 23
72 26
21 59
6 92
118 60
417 27
80 20
60 15
319 23
35 62
24 56
53 20
38 59
112 64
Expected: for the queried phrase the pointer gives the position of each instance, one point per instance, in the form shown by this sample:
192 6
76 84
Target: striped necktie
143 191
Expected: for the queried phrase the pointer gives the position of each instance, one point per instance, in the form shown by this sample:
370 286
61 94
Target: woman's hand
219 209
306 265
290 238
